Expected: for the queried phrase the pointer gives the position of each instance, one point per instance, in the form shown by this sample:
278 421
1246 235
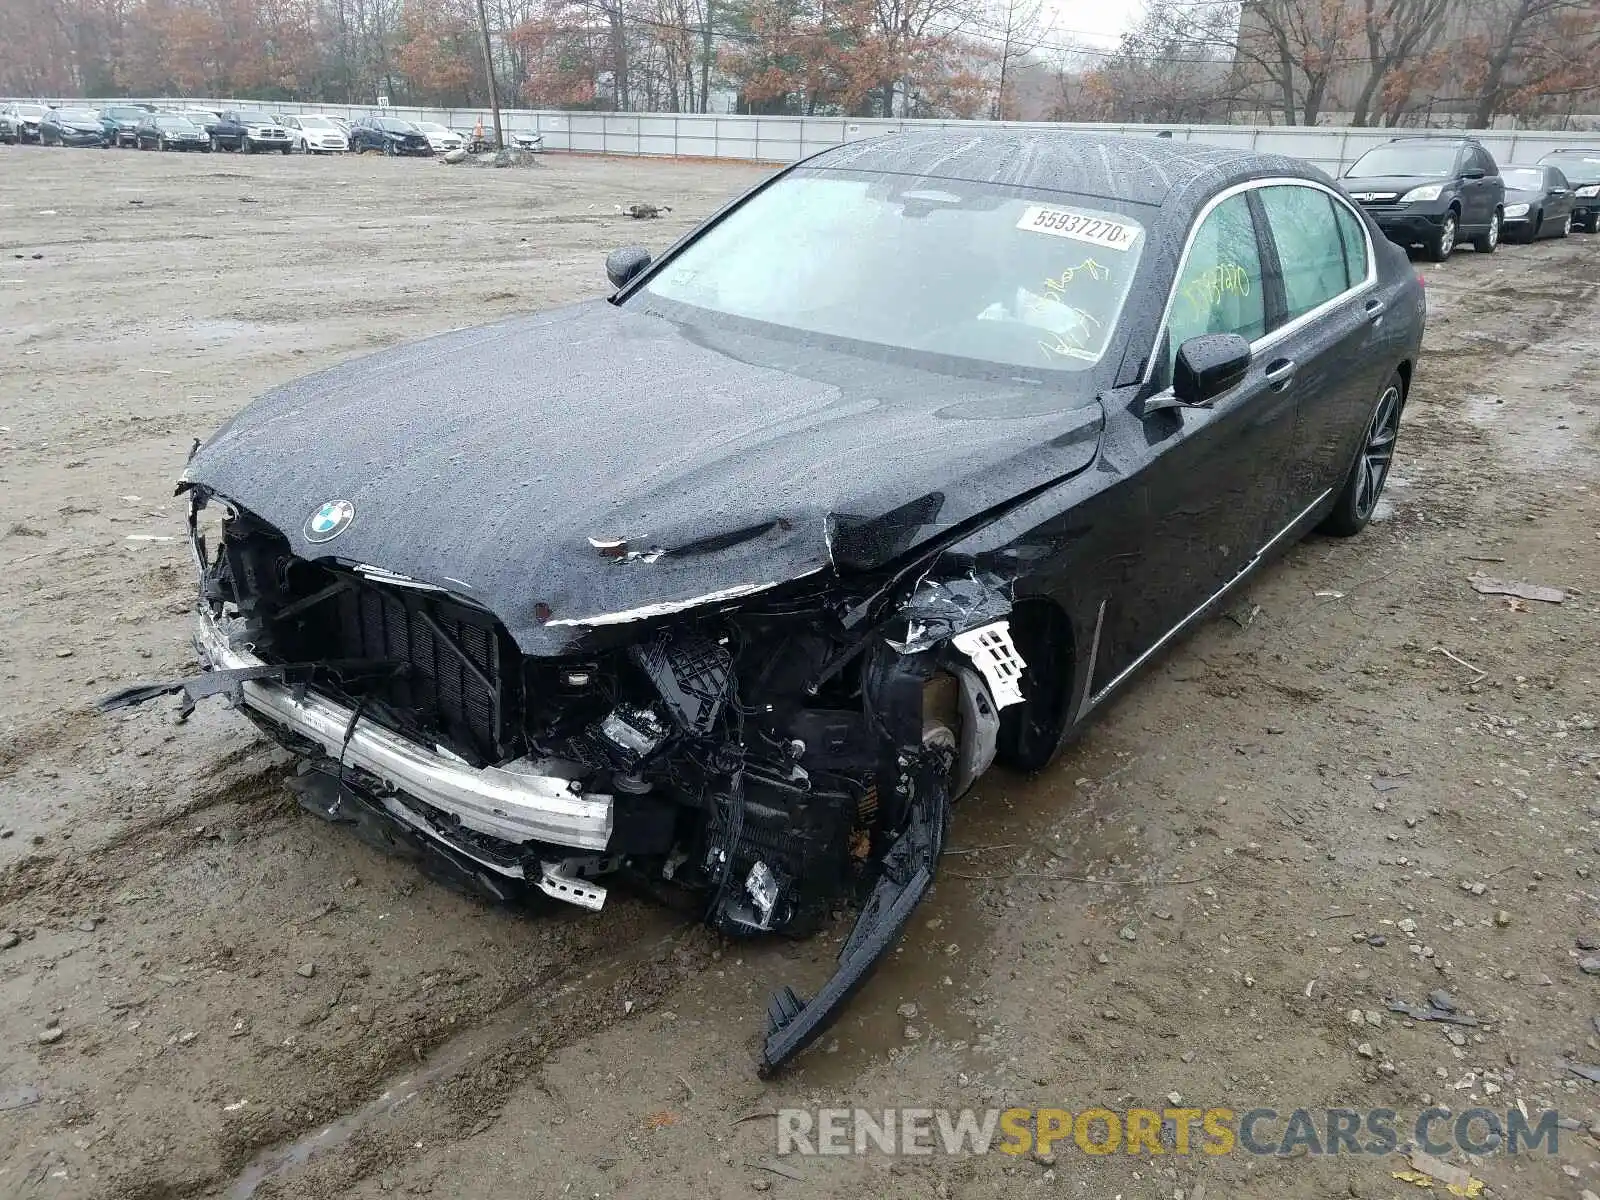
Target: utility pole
488 67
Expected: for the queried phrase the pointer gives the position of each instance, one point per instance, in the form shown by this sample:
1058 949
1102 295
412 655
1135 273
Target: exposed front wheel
1566 226
1362 487
1486 242
1444 241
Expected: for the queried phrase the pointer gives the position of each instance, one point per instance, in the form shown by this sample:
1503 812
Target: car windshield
316 123
174 123
431 127
1528 179
395 125
937 266
1579 166
76 114
1402 159
122 113
31 111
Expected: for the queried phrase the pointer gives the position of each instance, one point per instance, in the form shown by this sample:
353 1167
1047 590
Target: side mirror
1207 366
623 265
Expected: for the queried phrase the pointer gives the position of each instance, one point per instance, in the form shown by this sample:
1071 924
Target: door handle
1279 374
1374 310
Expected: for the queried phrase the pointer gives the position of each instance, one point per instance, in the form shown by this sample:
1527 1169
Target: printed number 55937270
1079 226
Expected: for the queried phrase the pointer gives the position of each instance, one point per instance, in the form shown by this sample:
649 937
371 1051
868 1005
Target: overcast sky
1092 22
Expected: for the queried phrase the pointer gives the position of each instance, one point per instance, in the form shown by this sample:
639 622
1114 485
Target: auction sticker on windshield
1079 226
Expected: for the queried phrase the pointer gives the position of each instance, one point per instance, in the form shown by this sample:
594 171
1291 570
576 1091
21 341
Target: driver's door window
1219 289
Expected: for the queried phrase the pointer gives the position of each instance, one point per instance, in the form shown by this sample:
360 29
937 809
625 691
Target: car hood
1393 183
483 461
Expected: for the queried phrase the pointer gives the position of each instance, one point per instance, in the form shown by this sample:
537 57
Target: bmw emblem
329 521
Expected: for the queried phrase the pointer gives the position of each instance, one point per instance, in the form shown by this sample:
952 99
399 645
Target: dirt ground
213 994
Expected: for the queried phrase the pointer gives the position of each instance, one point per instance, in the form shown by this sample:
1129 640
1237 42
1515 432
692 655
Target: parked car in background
72 127
20 122
121 122
442 138
250 133
1103 381
169 131
1435 192
1581 166
1539 203
390 135
313 133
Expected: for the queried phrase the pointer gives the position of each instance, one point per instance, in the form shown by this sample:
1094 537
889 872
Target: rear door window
1354 236
1311 250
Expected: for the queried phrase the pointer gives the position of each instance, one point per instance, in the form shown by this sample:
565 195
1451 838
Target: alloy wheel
1378 452
1494 231
1566 226
1447 237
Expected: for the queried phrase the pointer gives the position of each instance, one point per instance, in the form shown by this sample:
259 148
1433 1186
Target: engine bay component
692 674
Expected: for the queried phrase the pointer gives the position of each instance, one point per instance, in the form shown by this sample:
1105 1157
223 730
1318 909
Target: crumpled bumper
523 801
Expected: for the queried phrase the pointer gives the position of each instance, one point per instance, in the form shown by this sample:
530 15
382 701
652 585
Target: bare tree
1531 53
1019 28
1398 34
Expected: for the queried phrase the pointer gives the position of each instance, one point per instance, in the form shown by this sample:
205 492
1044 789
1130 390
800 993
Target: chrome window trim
1272 336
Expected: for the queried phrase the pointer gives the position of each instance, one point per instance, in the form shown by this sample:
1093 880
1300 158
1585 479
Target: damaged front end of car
771 756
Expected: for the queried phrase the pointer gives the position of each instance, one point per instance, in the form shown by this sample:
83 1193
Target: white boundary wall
785 139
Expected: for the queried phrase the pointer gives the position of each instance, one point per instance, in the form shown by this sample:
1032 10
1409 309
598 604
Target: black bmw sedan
72 127
903 463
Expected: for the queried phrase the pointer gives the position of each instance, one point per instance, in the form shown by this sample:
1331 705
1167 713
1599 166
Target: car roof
1144 170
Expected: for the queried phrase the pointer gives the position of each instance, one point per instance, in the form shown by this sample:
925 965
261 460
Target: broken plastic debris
938 609
1418 1012
1512 587
1426 1171
762 887
995 655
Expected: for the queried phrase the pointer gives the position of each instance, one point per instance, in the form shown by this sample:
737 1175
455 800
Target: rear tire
1485 243
1440 245
1358 498
1593 223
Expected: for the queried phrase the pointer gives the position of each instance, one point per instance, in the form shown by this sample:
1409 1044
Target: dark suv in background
391 135
1433 192
1581 166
